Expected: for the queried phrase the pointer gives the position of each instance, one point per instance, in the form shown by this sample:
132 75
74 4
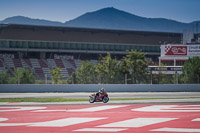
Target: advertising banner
180 50
175 50
193 50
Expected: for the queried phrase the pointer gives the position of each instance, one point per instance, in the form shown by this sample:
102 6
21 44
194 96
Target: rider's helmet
102 90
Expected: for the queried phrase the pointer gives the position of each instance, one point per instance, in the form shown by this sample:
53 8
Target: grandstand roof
71 34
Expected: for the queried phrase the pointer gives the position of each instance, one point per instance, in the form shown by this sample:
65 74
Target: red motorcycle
99 97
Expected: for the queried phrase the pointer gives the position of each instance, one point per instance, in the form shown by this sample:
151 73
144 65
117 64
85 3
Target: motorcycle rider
100 93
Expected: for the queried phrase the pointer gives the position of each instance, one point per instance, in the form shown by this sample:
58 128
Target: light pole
45 78
151 78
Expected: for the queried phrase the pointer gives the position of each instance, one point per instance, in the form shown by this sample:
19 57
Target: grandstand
41 48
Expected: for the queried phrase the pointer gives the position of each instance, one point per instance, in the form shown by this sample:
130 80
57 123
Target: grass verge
41 100
75 99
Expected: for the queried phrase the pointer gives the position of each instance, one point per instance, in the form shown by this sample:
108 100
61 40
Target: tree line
20 76
131 69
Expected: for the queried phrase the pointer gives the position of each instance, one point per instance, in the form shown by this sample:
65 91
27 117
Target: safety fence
95 87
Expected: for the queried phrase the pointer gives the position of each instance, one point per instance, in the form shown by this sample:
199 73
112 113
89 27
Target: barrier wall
96 87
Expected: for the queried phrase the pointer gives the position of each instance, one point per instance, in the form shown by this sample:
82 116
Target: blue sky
64 10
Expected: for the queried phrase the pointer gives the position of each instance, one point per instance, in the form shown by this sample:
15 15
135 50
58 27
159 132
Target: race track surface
121 118
111 95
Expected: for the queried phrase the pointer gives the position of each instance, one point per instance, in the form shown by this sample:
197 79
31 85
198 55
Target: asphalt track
175 97
111 95
126 116
94 118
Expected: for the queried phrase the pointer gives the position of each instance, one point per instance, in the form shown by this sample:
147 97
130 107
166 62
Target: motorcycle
99 97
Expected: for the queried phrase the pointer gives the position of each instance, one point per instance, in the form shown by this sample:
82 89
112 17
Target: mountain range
112 18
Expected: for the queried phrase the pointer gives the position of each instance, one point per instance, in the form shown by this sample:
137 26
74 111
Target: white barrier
96 87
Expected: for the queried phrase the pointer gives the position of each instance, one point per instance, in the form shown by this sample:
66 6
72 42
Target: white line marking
55 123
101 129
13 124
137 122
48 110
98 108
188 130
191 105
19 108
65 122
197 119
3 119
168 108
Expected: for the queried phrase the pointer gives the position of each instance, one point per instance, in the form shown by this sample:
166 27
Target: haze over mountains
111 18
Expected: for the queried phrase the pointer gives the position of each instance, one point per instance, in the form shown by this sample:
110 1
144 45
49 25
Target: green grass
41 100
75 100
115 99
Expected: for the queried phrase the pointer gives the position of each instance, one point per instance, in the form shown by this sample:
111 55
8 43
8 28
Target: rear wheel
105 99
91 100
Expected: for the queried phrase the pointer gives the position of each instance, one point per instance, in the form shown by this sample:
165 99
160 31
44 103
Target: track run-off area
122 118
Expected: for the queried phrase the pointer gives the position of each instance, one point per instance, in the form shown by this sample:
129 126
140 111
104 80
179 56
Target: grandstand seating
39 72
35 63
17 63
51 63
24 64
59 63
27 62
9 62
47 72
94 62
1 63
10 70
67 64
78 63
65 73
41 67
70 71
42 63
2 69
72 62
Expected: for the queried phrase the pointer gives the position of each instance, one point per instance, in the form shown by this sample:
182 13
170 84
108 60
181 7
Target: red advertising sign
175 50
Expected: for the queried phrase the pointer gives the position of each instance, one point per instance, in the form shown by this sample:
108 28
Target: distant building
41 48
43 41
173 56
176 55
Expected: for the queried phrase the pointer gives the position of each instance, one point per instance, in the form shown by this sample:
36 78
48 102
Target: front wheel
105 99
91 100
